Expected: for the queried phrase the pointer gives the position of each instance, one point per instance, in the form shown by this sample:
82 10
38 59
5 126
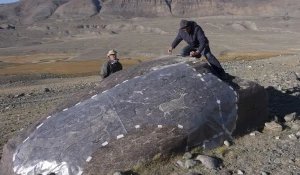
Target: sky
7 1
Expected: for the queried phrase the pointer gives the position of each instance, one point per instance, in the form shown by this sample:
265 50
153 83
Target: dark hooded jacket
110 67
196 38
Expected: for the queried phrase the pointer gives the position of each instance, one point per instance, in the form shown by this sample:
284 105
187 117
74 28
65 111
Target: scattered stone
254 133
208 162
240 172
298 133
20 95
293 137
190 163
29 94
263 173
187 156
179 163
118 173
295 126
46 90
227 143
7 26
272 127
290 117
277 137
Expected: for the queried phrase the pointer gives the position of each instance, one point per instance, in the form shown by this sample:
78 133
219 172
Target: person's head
112 54
185 26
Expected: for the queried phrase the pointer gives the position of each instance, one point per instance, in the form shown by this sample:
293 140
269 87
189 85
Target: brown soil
55 64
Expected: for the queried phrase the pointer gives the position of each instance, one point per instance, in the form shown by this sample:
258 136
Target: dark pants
215 64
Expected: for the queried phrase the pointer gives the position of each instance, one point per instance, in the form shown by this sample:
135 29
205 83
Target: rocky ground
274 151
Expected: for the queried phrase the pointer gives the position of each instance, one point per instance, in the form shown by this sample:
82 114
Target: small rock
187 156
240 172
263 173
277 137
179 163
19 95
279 88
291 161
290 117
190 163
254 133
118 173
29 94
208 162
273 127
298 133
46 90
295 126
293 137
227 143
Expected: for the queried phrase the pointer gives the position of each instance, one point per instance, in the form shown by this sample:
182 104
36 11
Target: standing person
198 45
112 65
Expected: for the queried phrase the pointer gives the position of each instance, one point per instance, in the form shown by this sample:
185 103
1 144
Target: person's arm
202 40
177 40
104 70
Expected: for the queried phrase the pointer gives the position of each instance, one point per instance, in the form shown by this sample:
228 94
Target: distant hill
31 11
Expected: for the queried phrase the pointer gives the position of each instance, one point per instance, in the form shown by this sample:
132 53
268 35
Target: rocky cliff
30 11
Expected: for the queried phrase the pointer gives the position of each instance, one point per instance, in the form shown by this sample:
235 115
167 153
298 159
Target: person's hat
184 24
111 52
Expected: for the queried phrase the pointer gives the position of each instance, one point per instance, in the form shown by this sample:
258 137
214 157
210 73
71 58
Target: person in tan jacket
112 65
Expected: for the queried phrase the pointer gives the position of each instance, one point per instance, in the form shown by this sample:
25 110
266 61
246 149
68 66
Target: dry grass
63 64
55 64
228 56
39 58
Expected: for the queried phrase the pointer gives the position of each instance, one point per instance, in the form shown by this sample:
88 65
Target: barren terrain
25 100
45 63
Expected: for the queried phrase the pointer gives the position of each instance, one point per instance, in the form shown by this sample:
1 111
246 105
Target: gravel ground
24 101
275 152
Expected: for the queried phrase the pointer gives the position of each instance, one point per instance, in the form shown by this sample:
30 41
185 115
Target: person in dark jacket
112 65
198 44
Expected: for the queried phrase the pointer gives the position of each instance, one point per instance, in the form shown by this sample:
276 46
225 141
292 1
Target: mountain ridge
32 11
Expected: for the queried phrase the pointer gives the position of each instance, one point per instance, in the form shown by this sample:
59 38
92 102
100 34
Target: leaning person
198 45
112 65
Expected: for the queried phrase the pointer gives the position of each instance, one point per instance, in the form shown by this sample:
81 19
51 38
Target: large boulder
181 99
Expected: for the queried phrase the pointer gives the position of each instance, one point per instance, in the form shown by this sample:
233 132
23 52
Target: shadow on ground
282 104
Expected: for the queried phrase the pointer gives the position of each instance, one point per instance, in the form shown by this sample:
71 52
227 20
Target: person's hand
194 53
170 50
